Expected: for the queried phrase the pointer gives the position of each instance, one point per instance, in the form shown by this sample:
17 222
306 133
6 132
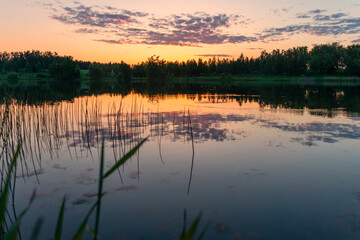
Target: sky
132 31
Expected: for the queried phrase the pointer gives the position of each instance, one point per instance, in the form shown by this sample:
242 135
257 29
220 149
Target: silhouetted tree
352 59
64 73
125 74
322 59
155 71
96 74
326 58
139 70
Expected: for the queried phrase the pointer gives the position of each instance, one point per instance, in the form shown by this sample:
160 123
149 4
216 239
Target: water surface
260 163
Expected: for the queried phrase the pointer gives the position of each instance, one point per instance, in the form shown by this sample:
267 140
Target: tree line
324 59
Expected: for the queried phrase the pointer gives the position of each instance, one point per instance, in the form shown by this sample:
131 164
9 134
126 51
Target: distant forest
325 59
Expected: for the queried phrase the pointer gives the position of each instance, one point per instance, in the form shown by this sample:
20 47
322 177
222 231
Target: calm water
262 163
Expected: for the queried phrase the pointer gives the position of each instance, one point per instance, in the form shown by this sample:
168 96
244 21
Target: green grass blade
203 232
91 232
191 232
12 234
36 230
78 235
184 226
5 192
124 158
99 195
60 221
13 230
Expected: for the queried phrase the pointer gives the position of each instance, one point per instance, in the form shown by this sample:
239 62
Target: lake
275 162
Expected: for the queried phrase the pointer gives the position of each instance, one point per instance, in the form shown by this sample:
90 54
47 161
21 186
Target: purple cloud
133 27
318 24
122 26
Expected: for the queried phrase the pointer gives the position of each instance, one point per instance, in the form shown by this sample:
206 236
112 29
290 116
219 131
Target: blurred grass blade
91 232
184 226
12 233
81 230
191 232
5 192
125 158
36 230
203 232
60 221
99 195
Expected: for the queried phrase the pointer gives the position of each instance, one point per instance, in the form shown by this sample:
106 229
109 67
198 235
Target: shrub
13 78
41 75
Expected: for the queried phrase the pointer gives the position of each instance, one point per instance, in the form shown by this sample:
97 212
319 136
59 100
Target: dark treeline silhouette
325 59
28 61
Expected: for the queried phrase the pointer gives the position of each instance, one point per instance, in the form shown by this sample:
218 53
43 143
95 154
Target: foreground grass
12 232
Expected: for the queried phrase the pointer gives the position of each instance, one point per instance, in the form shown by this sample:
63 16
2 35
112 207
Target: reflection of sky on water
317 131
258 173
218 127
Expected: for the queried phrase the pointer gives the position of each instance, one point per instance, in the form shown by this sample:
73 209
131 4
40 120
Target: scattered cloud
329 17
253 48
317 24
303 16
112 25
86 30
316 11
310 13
214 55
280 11
96 16
338 15
109 41
133 27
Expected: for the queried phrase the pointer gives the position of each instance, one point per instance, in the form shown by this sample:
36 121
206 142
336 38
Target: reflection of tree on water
297 96
79 125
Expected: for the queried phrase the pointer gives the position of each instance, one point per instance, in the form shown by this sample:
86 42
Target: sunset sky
132 31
